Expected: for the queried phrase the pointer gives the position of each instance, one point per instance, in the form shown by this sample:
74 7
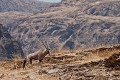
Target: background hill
32 6
71 25
11 11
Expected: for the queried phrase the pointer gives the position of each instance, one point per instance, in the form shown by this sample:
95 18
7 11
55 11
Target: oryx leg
24 63
30 61
40 64
40 61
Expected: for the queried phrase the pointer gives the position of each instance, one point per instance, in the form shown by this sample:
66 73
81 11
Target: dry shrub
17 62
7 64
52 60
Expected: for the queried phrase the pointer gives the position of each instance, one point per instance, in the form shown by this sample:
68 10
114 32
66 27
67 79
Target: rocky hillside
7 18
13 10
32 6
9 47
84 65
71 25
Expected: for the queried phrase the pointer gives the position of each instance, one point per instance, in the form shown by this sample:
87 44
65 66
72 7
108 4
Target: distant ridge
32 6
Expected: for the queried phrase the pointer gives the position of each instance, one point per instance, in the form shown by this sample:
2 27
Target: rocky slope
71 25
7 18
11 11
84 65
9 47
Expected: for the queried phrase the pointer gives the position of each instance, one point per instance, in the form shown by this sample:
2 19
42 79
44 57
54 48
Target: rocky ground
66 65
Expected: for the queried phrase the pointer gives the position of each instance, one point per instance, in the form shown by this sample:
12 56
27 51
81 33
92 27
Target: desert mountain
12 10
71 24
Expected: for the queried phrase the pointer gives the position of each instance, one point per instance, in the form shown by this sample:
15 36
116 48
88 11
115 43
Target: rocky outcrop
9 47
